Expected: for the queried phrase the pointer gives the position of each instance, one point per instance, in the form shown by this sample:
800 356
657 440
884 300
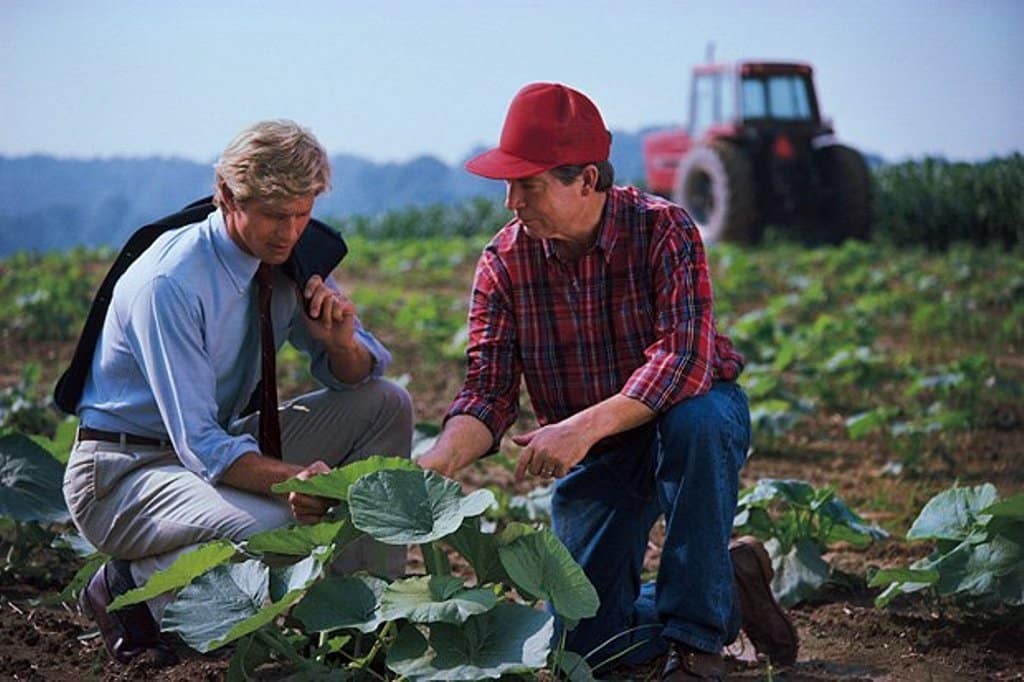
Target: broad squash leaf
434 598
508 638
183 571
349 602
541 567
31 482
403 507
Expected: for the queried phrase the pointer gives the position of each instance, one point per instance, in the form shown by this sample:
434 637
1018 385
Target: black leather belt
85 433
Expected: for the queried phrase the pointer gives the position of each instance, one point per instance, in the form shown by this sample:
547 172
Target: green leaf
297 576
953 513
896 589
480 550
542 568
574 668
183 571
753 521
63 440
508 638
74 542
349 602
435 559
887 576
977 570
223 605
405 507
848 526
31 482
249 654
864 423
794 492
799 573
434 598
1012 507
335 484
294 540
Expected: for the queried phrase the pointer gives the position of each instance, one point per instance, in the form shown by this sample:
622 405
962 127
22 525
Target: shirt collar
239 266
607 230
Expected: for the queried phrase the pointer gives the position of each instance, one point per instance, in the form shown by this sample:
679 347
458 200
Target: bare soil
843 637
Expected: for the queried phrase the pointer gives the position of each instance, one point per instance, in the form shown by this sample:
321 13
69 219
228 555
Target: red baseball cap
548 125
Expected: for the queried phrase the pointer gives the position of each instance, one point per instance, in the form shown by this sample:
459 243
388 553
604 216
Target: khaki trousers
139 503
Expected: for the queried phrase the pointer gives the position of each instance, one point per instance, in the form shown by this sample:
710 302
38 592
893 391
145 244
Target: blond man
164 459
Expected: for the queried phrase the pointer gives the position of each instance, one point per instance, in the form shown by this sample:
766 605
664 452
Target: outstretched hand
551 450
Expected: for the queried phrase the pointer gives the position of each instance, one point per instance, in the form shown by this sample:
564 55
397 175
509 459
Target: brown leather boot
763 619
687 663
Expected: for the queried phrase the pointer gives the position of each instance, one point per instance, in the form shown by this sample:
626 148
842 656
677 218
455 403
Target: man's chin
276 256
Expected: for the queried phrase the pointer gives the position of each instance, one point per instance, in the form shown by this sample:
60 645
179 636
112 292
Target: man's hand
463 440
329 315
436 460
552 450
309 508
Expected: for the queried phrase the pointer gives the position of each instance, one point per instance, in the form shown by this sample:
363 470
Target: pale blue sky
393 80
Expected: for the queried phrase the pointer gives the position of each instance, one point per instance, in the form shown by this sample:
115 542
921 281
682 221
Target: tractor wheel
715 184
845 209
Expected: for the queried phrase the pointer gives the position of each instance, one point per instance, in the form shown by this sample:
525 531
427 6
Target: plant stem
321 643
364 662
278 643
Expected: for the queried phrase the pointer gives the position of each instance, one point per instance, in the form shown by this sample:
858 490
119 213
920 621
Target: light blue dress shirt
179 353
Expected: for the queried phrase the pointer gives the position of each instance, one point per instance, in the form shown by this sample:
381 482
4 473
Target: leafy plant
418 627
798 522
979 550
32 512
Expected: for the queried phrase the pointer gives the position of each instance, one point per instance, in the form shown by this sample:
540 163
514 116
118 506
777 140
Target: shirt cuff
485 412
222 455
380 361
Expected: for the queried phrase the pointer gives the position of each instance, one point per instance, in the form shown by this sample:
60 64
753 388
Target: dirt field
843 636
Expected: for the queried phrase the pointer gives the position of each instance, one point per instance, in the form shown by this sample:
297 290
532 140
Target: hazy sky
394 80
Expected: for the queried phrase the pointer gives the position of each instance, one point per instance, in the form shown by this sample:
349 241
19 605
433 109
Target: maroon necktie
270 428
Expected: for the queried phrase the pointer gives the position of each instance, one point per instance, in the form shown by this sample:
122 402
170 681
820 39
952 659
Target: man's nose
513 198
294 226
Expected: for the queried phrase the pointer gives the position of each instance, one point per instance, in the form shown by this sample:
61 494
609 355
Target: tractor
757 152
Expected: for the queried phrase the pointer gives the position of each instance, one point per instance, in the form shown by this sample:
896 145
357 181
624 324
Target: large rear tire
845 210
715 184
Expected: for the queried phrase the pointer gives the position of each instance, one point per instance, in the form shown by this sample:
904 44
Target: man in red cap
600 297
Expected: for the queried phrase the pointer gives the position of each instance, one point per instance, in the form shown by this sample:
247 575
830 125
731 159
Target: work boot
762 618
129 632
686 663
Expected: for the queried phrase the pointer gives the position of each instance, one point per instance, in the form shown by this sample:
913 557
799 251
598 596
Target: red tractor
757 152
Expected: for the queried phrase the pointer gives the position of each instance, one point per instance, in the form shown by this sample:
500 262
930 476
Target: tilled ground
843 637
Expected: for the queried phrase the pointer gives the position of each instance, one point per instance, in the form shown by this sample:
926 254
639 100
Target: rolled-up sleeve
491 389
679 363
165 334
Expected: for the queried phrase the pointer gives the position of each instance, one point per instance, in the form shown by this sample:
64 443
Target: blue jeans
686 466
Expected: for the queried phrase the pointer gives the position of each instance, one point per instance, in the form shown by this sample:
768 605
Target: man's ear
227 199
590 177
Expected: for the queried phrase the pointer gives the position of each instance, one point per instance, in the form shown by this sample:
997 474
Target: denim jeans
686 466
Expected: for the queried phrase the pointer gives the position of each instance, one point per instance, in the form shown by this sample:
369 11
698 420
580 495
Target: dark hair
605 174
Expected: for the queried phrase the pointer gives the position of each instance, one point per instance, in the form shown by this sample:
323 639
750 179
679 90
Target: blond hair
272 160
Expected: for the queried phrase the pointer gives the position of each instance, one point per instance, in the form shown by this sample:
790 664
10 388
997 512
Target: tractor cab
749 155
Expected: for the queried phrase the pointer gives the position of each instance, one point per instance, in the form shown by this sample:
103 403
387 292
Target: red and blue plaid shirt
633 315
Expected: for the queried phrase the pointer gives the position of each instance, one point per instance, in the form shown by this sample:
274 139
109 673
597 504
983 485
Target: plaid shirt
633 315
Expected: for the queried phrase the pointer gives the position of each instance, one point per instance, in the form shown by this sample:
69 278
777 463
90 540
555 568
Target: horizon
391 83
